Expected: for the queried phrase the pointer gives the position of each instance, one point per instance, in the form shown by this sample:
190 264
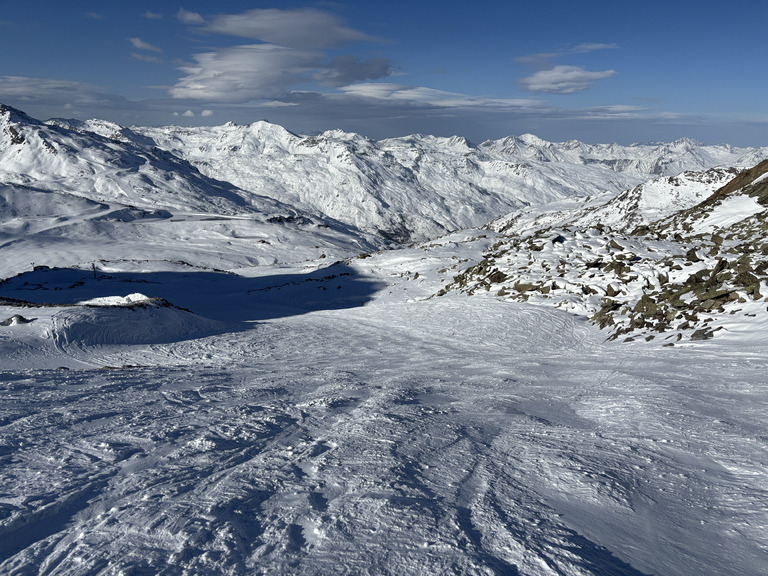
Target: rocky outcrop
684 277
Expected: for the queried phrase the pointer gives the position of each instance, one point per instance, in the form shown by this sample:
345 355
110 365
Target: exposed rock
14 320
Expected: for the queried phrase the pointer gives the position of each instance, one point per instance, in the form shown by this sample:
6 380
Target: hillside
418 187
223 352
671 259
70 196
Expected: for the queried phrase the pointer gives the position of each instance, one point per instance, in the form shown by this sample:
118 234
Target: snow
407 435
205 388
115 300
730 211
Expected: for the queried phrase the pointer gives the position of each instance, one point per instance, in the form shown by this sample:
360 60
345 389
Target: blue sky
596 71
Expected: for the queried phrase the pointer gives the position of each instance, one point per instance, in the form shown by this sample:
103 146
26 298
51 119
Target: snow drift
128 320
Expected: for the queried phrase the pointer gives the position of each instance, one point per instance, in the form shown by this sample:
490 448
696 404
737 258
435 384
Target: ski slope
382 432
217 357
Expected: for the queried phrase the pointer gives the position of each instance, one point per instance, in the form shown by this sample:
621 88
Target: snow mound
116 300
14 320
128 320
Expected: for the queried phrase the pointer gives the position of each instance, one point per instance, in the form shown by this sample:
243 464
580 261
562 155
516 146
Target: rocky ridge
685 276
418 187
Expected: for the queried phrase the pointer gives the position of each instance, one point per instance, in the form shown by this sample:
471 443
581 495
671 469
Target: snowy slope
417 187
70 196
650 201
197 379
408 435
672 259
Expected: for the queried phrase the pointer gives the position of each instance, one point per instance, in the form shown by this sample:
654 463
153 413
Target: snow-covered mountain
678 257
417 187
210 364
401 189
62 187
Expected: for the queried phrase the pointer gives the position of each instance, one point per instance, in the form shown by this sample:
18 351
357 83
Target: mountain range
597 229
402 189
239 350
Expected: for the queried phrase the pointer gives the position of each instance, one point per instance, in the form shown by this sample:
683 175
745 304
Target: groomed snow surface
337 419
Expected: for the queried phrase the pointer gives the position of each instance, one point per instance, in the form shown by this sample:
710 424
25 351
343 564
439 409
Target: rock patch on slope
686 276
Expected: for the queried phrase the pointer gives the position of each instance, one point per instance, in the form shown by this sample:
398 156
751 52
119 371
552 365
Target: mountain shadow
218 295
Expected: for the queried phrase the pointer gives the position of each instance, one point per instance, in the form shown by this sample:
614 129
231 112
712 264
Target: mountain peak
532 140
744 179
685 141
11 115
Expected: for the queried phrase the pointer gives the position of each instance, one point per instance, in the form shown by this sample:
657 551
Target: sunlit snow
211 382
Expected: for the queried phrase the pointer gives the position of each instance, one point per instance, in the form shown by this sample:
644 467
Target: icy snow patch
135 298
730 211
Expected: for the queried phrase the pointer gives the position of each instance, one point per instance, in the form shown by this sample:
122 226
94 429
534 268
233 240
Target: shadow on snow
213 294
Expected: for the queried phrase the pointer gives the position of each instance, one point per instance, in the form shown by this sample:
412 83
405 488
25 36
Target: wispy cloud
438 98
139 44
188 17
591 47
152 15
95 16
563 79
62 97
611 112
277 104
145 58
292 53
306 28
46 90
545 60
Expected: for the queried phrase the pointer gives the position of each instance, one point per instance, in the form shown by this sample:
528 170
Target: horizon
471 143
600 73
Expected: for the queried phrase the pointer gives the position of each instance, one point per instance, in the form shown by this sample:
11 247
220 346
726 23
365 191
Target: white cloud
243 73
206 113
438 98
95 16
152 15
139 44
306 28
563 79
189 114
259 71
145 58
188 17
291 53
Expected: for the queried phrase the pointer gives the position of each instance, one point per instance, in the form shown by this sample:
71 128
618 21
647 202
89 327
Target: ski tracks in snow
502 440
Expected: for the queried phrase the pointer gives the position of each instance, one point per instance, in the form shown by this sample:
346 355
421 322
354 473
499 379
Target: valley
237 350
